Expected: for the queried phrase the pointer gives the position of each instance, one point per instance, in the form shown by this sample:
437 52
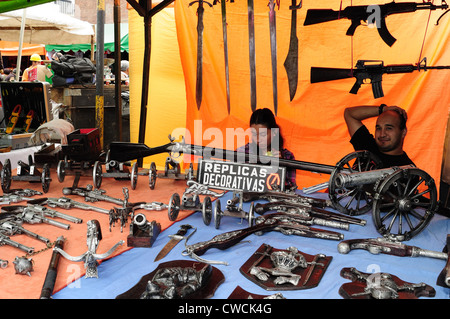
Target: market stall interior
93 216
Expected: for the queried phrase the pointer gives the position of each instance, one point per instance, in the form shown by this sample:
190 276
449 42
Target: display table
119 274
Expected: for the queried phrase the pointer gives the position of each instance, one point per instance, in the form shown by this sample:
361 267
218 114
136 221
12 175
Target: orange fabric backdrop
313 124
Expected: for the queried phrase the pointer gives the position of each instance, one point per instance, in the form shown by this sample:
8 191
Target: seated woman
267 140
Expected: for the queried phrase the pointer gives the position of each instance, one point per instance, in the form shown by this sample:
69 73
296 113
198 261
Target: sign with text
240 176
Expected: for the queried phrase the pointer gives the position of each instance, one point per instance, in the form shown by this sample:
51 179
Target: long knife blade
273 52
291 62
200 27
174 240
225 50
251 44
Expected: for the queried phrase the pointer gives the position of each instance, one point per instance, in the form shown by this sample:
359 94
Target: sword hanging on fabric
273 51
199 82
225 48
251 45
291 62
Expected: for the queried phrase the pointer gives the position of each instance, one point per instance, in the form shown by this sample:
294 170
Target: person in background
124 67
390 132
37 71
267 140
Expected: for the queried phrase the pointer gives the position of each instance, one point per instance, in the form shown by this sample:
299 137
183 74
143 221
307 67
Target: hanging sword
225 47
199 83
291 62
251 44
273 51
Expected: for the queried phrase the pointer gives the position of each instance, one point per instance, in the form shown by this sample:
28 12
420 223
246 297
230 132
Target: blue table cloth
117 275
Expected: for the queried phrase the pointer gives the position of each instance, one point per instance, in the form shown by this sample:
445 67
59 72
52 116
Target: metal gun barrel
14 228
33 218
6 240
364 178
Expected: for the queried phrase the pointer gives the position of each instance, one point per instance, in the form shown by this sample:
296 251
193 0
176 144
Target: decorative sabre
251 45
199 83
273 50
291 62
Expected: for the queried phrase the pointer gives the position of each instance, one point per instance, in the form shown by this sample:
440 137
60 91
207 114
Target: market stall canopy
8 48
109 41
44 24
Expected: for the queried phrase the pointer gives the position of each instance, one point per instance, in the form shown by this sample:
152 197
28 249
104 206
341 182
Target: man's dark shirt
363 140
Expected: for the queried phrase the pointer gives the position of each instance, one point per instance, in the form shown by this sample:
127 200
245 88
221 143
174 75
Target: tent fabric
8 48
10 5
46 25
87 46
312 123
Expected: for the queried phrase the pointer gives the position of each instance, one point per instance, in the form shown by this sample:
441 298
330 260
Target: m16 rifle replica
25 172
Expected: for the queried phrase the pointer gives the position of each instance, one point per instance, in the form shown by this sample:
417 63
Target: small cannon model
402 198
25 172
83 149
172 170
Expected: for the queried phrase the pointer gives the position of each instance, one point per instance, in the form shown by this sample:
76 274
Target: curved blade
175 239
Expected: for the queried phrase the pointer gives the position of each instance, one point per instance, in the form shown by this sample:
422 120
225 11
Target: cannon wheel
207 210
45 178
217 214
61 170
152 176
353 200
97 174
174 207
251 214
405 200
6 176
134 175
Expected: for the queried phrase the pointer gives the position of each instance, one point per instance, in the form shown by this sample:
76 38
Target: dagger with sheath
174 240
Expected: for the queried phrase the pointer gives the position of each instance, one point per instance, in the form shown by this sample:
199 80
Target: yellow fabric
166 108
312 124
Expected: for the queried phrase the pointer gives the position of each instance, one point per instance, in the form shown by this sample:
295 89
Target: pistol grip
351 30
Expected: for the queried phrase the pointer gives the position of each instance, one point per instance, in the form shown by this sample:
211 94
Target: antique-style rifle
286 224
369 14
372 70
309 212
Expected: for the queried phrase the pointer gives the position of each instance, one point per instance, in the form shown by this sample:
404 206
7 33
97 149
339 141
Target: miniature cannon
115 169
190 202
25 172
233 210
404 198
172 170
83 149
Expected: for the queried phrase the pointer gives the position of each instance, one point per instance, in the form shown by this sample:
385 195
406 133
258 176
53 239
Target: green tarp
87 46
10 5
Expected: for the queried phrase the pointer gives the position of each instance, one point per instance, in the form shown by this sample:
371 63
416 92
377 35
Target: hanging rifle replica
372 70
372 13
291 62
273 50
199 83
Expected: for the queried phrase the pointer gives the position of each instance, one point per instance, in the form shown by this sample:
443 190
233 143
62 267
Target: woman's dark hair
265 117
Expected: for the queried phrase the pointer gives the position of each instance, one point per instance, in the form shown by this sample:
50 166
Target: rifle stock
125 151
319 74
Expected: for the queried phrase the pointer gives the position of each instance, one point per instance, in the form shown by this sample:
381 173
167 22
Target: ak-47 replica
90 257
286 224
369 14
372 70
25 172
